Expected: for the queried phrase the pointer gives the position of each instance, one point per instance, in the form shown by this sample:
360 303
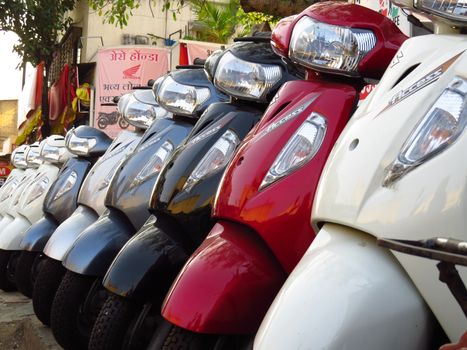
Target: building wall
147 19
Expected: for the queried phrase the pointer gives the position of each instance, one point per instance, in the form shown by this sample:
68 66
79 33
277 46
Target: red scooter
264 201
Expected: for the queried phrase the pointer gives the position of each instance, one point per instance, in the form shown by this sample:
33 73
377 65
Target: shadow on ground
19 327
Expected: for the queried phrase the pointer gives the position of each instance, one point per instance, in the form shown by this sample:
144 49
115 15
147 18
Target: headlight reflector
438 129
155 164
141 114
215 159
33 157
328 47
244 79
300 149
79 146
68 185
181 99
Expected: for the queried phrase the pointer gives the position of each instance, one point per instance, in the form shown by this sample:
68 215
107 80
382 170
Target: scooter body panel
65 234
159 258
240 198
63 206
57 210
217 290
37 235
9 187
92 195
96 184
10 205
32 210
321 307
192 208
428 201
94 249
126 193
11 236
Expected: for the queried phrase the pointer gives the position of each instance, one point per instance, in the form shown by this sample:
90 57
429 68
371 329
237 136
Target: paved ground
19 328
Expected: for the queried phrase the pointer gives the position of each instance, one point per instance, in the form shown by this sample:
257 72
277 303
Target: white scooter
397 172
27 203
18 159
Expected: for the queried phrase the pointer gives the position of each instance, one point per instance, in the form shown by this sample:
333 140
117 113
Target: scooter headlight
141 109
78 145
18 159
453 9
300 149
439 128
155 164
216 158
328 47
67 186
122 102
33 158
245 80
51 153
179 98
39 187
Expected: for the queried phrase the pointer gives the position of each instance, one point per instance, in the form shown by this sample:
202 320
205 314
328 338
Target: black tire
113 323
24 274
8 260
70 320
46 284
102 123
181 339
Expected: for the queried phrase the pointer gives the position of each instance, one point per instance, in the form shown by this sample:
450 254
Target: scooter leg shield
65 234
346 292
6 220
145 266
38 234
227 285
96 247
11 236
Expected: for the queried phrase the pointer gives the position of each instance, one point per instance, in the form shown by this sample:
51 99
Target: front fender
11 236
96 247
346 293
144 266
65 234
38 234
227 285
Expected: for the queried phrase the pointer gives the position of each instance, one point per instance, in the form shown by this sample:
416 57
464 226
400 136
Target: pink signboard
119 71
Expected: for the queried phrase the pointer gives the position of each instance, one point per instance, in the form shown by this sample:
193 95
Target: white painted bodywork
429 201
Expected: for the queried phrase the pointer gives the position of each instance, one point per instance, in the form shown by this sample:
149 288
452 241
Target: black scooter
80 295
181 202
60 202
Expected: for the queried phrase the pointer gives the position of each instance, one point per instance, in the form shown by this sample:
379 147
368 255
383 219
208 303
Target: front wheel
8 262
112 323
75 309
181 339
46 284
27 270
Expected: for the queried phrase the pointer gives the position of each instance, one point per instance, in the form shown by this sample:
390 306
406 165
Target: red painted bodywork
389 37
230 281
238 265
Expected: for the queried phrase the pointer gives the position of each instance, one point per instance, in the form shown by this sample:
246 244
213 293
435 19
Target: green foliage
218 20
248 19
38 24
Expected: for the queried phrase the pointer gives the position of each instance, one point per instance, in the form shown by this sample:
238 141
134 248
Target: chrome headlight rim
365 40
459 19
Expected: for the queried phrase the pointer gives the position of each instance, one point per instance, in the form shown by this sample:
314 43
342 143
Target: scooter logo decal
396 60
423 82
149 143
212 130
287 117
